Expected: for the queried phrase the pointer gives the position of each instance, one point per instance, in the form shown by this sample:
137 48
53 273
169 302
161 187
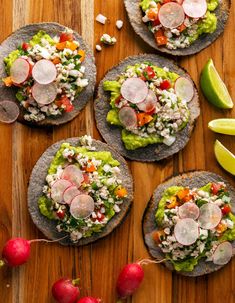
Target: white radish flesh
9 111
223 253
171 15
19 70
127 117
73 174
186 231
184 89
149 104
134 90
44 94
57 190
44 72
189 210
195 8
210 216
82 206
70 193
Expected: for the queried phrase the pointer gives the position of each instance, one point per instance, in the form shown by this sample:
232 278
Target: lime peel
225 158
224 126
214 88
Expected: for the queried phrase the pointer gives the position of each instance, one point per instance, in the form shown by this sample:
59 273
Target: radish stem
149 261
76 282
47 241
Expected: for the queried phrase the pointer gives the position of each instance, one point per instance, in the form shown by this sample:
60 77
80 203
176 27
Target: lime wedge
223 126
214 88
225 158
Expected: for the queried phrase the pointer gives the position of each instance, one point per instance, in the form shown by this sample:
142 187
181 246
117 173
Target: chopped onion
169 141
119 24
101 19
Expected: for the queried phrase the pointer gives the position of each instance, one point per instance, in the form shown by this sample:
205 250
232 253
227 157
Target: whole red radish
89 300
66 290
16 252
129 279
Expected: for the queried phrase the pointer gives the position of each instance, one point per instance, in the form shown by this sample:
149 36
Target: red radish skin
16 251
129 280
66 290
89 300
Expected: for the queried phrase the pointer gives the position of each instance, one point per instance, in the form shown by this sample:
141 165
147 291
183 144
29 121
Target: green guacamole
36 39
130 140
189 263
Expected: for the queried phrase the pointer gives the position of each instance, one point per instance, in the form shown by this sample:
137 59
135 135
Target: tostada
190 223
79 188
180 27
49 71
146 107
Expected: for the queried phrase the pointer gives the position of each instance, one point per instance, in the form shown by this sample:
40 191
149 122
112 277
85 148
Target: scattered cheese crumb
119 24
101 19
98 48
107 39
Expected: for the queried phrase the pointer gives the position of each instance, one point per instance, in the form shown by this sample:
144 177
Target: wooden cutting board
20 146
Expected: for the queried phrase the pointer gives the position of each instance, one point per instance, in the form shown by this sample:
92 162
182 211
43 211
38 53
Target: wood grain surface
98 265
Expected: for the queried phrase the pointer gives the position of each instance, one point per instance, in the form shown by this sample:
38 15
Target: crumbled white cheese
119 24
101 18
107 39
98 48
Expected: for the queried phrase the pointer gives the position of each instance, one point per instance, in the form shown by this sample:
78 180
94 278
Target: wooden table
98 264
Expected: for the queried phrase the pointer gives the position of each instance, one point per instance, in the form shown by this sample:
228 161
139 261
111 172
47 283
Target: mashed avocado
212 4
10 59
114 88
112 118
38 37
185 265
206 26
133 141
229 235
44 205
18 52
144 4
168 193
105 156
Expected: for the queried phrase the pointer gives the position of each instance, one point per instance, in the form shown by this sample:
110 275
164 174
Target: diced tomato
60 214
156 22
100 217
181 194
149 72
86 178
66 102
90 168
166 1
156 236
143 118
165 84
226 209
215 188
66 37
182 27
117 101
143 78
187 198
25 46
152 14
161 39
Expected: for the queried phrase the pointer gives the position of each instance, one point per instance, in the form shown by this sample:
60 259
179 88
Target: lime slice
223 126
214 88
225 158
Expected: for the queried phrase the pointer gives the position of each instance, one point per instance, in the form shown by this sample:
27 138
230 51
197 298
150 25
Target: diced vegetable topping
186 231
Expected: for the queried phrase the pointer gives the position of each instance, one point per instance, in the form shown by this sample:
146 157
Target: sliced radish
171 15
82 206
223 253
44 72
58 189
73 174
44 94
70 193
195 8
19 70
9 111
127 117
189 210
186 231
134 90
184 89
149 104
210 216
